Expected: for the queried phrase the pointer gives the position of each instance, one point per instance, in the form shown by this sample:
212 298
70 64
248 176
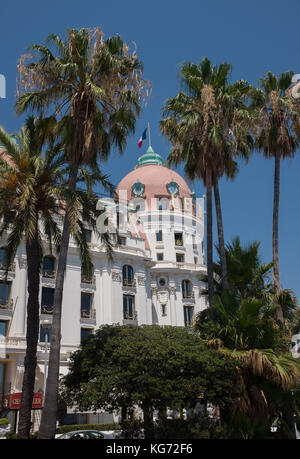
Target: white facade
161 283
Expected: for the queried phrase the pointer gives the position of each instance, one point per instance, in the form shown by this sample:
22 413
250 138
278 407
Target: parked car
84 435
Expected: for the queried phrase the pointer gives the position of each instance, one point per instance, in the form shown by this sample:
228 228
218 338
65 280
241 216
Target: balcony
47 309
48 274
129 283
130 318
6 307
11 268
188 296
88 316
88 280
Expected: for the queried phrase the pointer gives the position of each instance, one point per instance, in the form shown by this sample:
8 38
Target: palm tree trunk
33 262
48 421
279 314
275 223
221 235
209 240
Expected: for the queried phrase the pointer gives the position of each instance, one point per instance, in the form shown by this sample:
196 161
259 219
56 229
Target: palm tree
247 274
275 133
28 198
245 326
99 83
207 129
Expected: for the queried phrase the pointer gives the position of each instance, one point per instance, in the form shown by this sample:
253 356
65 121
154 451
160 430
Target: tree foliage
148 366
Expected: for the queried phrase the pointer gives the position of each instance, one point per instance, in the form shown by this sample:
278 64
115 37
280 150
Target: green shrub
4 421
70 428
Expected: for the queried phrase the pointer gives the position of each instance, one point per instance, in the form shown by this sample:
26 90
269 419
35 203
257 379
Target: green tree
99 85
245 326
28 198
32 203
150 367
208 127
275 132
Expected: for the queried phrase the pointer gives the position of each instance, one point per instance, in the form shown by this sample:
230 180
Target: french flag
143 137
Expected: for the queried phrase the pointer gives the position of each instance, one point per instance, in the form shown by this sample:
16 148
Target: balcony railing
91 280
47 309
88 314
49 274
132 316
188 295
129 282
11 268
6 303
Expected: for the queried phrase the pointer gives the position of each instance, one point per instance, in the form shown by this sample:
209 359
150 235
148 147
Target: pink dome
154 177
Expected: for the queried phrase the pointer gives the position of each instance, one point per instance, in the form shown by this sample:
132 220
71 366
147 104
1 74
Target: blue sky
253 36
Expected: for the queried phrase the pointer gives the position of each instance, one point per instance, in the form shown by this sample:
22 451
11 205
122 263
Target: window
47 300
86 305
159 256
122 241
3 327
87 278
194 243
188 315
159 236
162 282
94 435
129 307
5 293
2 258
178 239
195 260
128 276
85 333
49 266
179 258
187 290
163 204
45 331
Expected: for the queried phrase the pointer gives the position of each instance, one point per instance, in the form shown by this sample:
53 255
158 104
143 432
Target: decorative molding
141 279
47 282
172 289
153 289
163 296
116 276
23 262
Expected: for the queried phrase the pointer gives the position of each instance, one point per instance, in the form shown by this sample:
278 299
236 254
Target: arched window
187 290
128 276
49 266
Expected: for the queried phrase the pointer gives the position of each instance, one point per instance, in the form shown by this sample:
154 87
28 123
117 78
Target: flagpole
149 135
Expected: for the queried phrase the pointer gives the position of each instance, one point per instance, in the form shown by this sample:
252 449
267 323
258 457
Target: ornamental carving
141 280
23 262
116 276
163 297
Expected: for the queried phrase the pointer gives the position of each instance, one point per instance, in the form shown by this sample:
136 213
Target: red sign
13 401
